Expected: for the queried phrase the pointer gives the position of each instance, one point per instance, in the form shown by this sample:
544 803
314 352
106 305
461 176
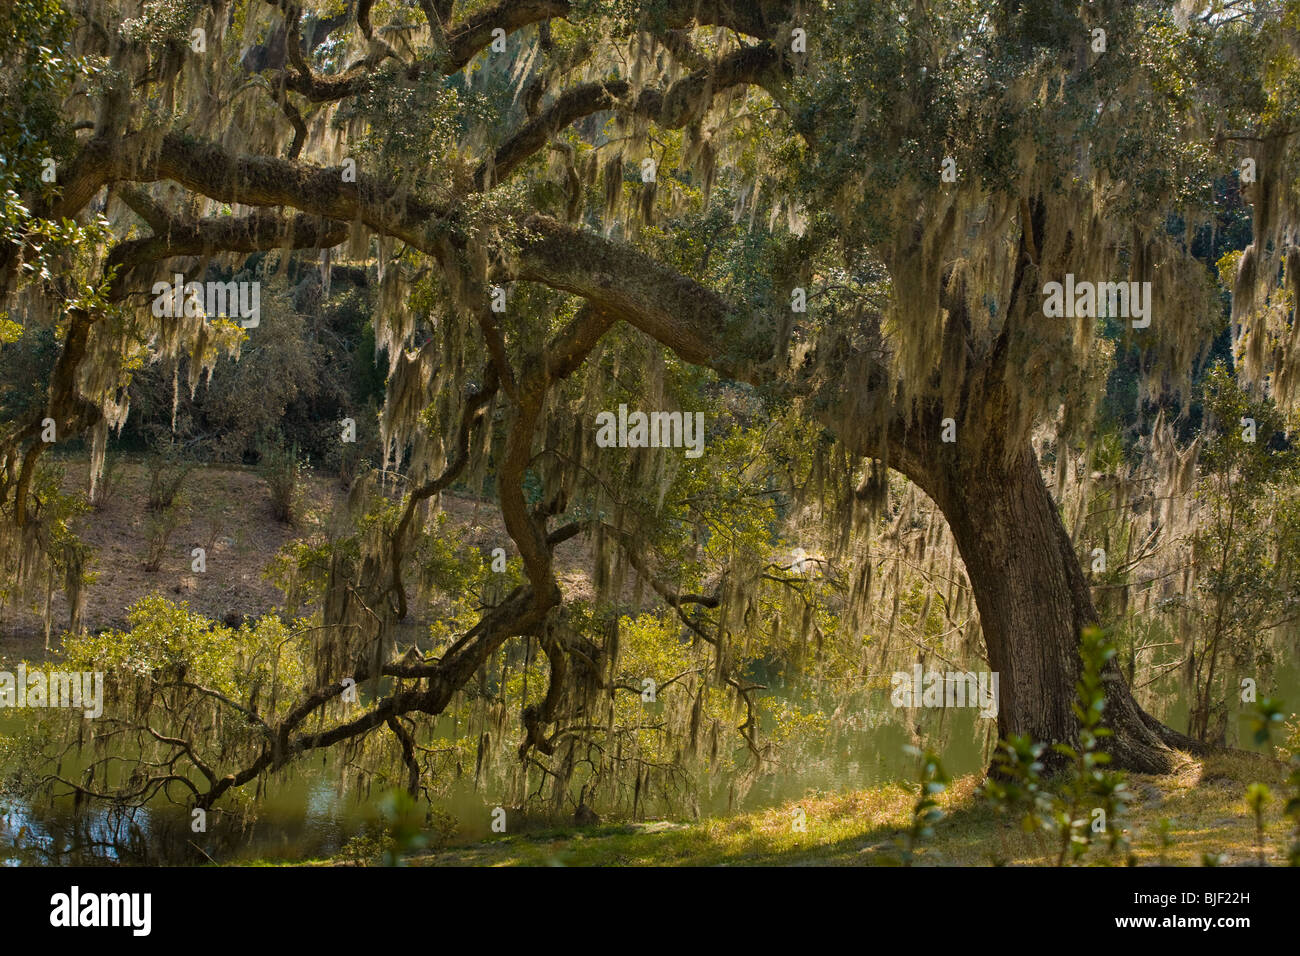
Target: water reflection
313 808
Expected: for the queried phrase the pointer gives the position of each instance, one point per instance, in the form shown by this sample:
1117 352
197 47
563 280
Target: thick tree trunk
1033 602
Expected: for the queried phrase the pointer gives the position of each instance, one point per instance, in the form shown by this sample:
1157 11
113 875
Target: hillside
227 512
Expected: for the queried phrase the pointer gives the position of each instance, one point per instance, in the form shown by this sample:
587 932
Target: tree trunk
1033 603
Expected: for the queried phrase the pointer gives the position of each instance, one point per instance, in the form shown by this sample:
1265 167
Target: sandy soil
227 512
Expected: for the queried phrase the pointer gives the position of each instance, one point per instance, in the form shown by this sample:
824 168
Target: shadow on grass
1200 807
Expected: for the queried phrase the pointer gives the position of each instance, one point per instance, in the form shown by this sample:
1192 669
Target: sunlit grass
1203 803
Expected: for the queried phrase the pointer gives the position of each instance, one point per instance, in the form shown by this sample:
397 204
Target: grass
1203 804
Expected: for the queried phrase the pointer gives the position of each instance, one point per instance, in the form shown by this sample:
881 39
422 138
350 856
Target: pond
311 809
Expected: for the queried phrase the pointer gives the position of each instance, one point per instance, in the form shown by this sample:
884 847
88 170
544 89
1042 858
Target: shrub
168 469
109 483
282 470
161 526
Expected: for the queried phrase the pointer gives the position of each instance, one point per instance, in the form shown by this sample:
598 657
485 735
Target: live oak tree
847 212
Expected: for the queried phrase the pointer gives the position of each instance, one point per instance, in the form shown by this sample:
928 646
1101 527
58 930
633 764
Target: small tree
1246 546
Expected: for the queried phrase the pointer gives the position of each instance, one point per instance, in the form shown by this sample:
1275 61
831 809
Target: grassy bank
1173 819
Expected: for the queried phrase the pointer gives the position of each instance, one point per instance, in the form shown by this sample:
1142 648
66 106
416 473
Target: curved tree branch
671 108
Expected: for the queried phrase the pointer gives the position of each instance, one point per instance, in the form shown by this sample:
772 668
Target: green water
313 807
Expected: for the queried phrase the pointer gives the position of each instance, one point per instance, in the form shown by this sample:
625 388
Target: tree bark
1033 603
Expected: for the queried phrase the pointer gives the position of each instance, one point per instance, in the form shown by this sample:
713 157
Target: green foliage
1258 796
26 361
403 827
252 663
1292 810
1266 715
925 813
1246 544
401 830
365 850
64 559
1066 807
37 76
312 365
